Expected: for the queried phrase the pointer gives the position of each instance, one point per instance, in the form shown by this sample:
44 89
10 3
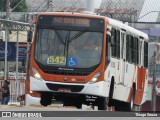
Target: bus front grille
56 71
73 88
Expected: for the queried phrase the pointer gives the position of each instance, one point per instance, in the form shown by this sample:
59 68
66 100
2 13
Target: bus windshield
68 48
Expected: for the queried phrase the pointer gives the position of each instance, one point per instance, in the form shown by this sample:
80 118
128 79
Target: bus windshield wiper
60 37
66 42
77 35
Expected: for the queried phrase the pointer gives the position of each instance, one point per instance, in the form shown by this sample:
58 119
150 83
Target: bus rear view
67 59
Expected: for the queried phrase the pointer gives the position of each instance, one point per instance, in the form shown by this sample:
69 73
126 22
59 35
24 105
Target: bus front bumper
97 89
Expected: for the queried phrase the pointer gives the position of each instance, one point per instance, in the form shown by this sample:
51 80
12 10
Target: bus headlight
36 74
95 78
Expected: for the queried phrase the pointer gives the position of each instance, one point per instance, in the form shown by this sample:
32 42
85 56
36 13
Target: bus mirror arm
112 42
107 61
108 38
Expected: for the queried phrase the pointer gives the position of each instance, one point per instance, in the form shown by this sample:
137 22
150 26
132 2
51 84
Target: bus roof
129 29
112 22
72 14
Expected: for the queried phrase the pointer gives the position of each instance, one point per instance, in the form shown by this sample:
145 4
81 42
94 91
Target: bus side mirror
110 40
108 49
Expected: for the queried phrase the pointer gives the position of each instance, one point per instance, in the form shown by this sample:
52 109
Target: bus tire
78 105
102 103
122 106
131 104
72 103
111 100
125 106
46 99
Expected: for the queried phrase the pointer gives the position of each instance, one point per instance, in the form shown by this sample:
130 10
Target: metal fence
17 87
124 10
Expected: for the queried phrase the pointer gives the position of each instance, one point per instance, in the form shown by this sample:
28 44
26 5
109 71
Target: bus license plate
64 90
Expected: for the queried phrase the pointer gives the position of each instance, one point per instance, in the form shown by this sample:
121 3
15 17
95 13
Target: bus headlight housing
36 74
95 78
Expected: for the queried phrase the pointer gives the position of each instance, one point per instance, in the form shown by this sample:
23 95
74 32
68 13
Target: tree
2 5
22 7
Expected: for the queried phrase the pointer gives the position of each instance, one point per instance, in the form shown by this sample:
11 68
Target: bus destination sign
72 21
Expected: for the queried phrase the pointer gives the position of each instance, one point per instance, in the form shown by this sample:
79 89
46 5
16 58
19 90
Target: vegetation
22 7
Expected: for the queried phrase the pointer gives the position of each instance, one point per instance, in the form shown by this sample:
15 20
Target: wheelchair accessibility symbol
72 61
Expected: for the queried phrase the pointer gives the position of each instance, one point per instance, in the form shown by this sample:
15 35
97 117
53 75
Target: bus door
140 61
122 55
141 72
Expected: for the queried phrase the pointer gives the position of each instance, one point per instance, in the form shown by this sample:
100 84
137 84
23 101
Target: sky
97 3
147 14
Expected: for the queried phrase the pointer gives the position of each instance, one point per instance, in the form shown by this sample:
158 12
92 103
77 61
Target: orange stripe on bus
140 85
130 93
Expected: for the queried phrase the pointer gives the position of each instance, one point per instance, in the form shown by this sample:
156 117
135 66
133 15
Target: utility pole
156 62
90 5
7 9
48 5
48 1
6 39
154 84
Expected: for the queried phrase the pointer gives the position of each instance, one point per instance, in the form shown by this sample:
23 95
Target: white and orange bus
87 59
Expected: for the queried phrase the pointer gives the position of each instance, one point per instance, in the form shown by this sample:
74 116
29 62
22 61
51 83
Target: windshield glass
66 48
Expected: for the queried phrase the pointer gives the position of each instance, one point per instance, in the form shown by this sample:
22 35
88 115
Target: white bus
111 71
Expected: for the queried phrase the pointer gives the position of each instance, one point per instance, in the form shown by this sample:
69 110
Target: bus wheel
78 105
46 98
124 106
72 103
132 105
102 103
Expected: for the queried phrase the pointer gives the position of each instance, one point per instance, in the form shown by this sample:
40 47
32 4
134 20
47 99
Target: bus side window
136 50
140 51
132 48
145 54
108 46
113 42
118 44
129 47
